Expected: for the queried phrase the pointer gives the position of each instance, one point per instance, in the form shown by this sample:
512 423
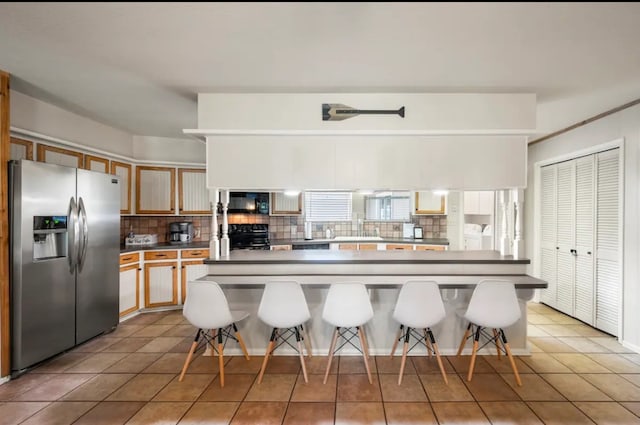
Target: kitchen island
244 273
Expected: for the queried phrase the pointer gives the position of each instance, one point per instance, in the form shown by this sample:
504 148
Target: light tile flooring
575 375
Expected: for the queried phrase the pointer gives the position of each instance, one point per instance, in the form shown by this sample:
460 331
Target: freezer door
98 288
42 289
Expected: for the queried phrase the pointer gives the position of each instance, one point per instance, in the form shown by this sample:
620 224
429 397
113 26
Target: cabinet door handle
139 270
196 253
173 267
161 255
126 258
588 252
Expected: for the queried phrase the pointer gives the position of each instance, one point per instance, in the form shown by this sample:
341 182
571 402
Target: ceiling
139 66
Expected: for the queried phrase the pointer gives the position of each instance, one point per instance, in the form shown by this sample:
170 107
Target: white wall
34 115
162 149
624 124
441 113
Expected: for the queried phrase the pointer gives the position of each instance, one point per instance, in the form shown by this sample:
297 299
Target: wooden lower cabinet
430 247
160 284
191 270
404 247
281 247
129 289
348 246
368 246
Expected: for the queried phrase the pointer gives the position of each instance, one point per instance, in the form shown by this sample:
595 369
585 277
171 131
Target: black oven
249 236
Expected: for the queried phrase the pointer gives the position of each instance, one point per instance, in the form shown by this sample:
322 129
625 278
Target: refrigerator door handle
73 234
84 233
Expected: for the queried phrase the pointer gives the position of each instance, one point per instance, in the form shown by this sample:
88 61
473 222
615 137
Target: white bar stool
493 304
419 306
206 308
348 306
283 306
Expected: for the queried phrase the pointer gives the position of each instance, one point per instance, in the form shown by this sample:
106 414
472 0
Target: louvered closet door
565 216
608 242
548 229
584 300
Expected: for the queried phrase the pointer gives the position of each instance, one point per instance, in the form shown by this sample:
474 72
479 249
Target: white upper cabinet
95 163
479 202
155 190
192 191
282 204
427 202
123 171
59 156
21 149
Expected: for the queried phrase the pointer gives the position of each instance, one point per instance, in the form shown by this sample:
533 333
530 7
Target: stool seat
348 306
206 308
493 304
419 306
283 306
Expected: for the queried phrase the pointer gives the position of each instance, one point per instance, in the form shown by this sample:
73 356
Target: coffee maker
181 232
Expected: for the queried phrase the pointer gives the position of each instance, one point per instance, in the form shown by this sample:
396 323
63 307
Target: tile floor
575 375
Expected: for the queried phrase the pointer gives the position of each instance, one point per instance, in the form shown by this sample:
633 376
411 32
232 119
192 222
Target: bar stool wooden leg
473 353
363 344
331 348
405 349
307 341
464 340
432 340
301 353
267 354
190 355
496 339
241 342
395 342
511 359
427 342
220 358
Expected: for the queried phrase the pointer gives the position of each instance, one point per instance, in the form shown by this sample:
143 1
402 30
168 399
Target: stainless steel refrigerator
65 227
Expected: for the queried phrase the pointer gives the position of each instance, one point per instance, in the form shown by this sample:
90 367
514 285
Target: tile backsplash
160 225
284 227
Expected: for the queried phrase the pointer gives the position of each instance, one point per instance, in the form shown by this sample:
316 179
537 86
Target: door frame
5 341
537 199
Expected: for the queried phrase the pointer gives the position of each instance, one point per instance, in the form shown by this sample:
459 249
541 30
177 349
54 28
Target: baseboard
631 346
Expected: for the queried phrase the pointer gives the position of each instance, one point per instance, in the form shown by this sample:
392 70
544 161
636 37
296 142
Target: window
327 206
394 206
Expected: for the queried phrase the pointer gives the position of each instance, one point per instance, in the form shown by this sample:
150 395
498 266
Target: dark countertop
366 257
165 245
425 241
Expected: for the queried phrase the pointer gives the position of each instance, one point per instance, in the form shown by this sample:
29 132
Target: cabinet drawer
194 253
161 255
429 247
404 247
132 257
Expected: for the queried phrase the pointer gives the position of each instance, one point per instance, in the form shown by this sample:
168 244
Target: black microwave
248 203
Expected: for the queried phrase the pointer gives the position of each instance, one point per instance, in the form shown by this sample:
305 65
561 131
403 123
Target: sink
357 238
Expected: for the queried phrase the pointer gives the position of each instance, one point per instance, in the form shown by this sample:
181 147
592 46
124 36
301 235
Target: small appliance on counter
407 230
180 232
133 240
308 230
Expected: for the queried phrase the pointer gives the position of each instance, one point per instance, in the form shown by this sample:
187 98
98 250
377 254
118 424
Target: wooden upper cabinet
155 190
429 203
282 204
60 156
193 196
95 163
123 171
21 149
